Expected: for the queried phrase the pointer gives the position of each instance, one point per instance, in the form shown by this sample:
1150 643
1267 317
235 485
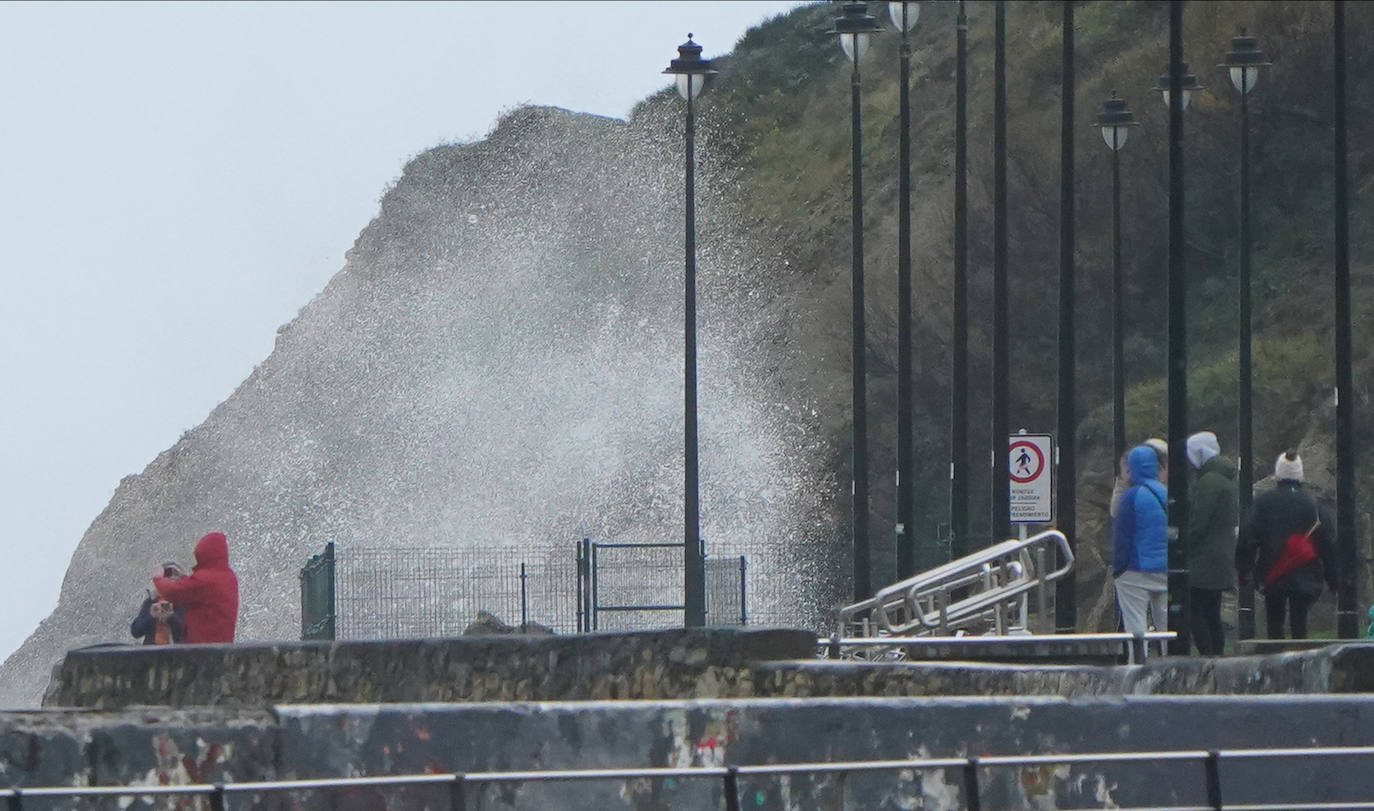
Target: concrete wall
715 663
659 664
161 746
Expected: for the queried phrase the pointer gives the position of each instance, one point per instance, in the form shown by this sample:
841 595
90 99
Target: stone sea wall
712 663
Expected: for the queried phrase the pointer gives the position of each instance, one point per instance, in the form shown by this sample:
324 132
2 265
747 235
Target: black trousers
1208 635
1281 602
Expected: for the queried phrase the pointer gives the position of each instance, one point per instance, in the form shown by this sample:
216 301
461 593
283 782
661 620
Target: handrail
970 766
1005 571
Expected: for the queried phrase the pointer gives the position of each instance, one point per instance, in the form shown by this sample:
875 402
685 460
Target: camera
168 571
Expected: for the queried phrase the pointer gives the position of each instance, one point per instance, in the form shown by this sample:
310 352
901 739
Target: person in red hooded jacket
209 595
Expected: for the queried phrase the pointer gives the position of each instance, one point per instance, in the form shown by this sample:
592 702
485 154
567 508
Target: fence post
1212 771
595 595
971 799
16 799
581 601
732 789
217 798
524 605
743 603
457 793
333 593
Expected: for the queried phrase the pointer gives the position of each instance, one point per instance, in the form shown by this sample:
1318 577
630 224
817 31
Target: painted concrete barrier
159 746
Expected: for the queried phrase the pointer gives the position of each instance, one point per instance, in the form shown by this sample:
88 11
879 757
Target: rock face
497 365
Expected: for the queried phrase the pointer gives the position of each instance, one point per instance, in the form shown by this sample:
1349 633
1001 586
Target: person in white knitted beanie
1271 552
1288 467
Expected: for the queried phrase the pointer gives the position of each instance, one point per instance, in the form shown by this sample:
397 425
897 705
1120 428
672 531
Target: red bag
1297 551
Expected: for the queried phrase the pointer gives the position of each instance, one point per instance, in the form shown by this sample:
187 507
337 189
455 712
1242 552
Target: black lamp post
1001 424
958 399
904 16
1066 591
691 72
1116 122
1244 62
855 27
1177 85
1347 594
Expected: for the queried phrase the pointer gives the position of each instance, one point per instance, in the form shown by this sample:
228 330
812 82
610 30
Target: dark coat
145 625
1275 515
1209 545
210 594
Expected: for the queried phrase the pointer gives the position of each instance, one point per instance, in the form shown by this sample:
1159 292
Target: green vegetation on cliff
781 108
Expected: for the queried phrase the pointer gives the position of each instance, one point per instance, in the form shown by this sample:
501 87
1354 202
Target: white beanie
1202 446
1161 447
1288 467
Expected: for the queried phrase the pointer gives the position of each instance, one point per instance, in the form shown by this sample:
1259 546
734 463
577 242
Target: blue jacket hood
1142 463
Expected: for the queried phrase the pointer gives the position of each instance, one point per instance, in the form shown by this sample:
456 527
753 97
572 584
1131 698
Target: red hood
212 550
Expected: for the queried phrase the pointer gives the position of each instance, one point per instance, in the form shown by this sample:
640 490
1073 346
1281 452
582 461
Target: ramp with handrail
984 592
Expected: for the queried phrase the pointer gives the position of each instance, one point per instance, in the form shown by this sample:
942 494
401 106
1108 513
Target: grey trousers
1138 593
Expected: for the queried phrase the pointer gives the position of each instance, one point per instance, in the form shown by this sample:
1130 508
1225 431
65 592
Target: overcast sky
178 179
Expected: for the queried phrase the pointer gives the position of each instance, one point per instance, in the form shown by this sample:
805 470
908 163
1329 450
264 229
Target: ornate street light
1189 85
904 16
855 27
1116 122
1244 62
691 72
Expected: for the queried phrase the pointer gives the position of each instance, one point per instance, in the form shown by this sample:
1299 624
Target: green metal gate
317 596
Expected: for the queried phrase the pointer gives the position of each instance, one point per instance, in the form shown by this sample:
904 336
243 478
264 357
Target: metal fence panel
725 590
405 593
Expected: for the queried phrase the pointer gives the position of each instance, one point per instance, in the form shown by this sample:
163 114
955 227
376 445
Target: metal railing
986 589
462 784
1134 647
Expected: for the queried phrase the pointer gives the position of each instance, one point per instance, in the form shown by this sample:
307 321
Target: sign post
1030 460
1030 467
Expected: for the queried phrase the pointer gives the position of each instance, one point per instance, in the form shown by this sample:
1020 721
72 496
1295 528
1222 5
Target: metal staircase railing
987 591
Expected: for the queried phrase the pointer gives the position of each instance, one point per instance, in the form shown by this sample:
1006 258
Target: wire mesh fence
401 593
398 593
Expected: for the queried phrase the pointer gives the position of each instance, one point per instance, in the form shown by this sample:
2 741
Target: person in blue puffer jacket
1140 538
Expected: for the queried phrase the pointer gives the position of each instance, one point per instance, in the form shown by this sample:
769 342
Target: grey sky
178 179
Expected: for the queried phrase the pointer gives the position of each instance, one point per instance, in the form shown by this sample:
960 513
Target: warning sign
1029 459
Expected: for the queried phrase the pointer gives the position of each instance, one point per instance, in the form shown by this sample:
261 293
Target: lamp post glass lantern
1189 83
1115 121
904 15
854 27
690 71
1243 63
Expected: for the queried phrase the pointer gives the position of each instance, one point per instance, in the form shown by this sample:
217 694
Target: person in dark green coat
1209 545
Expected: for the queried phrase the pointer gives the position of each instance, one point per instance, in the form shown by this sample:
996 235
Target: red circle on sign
1035 470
